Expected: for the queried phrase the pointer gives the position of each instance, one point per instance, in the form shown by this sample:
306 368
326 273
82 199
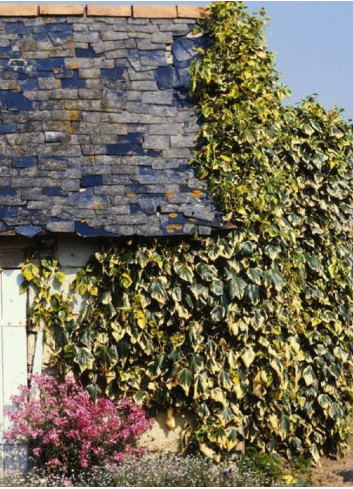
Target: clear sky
313 42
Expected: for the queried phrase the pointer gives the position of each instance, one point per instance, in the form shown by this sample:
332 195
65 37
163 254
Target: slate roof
97 127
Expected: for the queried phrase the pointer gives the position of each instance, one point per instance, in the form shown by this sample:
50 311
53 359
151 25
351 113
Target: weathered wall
97 127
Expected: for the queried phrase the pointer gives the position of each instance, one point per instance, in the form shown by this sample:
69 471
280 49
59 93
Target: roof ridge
101 10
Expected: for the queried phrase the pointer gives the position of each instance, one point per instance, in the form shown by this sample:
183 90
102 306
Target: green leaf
284 426
252 293
236 285
324 401
108 356
307 129
335 411
200 386
157 289
183 271
199 291
185 379
275 277
214 250
94 391
196 363
217 287
314 452
255 275
83 357
314 262
225 380
217 313
247 248
206 272
226 415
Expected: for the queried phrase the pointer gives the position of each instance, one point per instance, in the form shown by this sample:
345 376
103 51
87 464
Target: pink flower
37 451
74 432
54 461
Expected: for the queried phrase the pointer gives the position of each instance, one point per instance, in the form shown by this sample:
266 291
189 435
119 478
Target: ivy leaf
217 313
183 271
284 426
236 285
105 297
248 357
217 287
314 452
214 250
225 380
94 391
126 280
226 416
307 129
255 275
324 401
108 356
335 411
140 319
275 277
60 277
218 396
200 385
30 271
185 378
157 289
83 357
247 248
196 363
314 262
308 375
206 272
252 292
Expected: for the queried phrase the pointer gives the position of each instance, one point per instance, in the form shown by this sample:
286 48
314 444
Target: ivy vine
250 330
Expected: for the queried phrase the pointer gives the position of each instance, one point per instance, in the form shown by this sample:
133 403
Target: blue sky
313 42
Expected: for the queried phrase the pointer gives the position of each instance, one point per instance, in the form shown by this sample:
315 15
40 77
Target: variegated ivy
250 330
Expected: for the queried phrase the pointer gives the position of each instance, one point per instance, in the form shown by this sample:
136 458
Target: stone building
97 129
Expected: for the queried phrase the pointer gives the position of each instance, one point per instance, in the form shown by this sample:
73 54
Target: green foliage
251 331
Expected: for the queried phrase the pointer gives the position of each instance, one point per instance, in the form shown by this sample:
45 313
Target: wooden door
13 360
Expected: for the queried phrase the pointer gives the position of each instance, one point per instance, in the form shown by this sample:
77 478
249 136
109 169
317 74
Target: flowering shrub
67 431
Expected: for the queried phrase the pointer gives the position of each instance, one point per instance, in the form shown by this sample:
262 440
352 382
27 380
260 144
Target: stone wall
96 124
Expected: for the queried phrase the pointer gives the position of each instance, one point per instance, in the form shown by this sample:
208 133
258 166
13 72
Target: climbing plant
251 329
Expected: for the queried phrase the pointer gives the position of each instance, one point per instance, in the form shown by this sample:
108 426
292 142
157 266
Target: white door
13 360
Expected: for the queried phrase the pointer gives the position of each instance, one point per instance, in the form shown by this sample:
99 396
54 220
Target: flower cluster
67 431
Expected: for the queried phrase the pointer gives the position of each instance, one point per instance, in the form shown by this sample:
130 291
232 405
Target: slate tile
50 64
28 231
83 229
166 77
7 128
116 73
24 161
91 180
85 52
74 81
